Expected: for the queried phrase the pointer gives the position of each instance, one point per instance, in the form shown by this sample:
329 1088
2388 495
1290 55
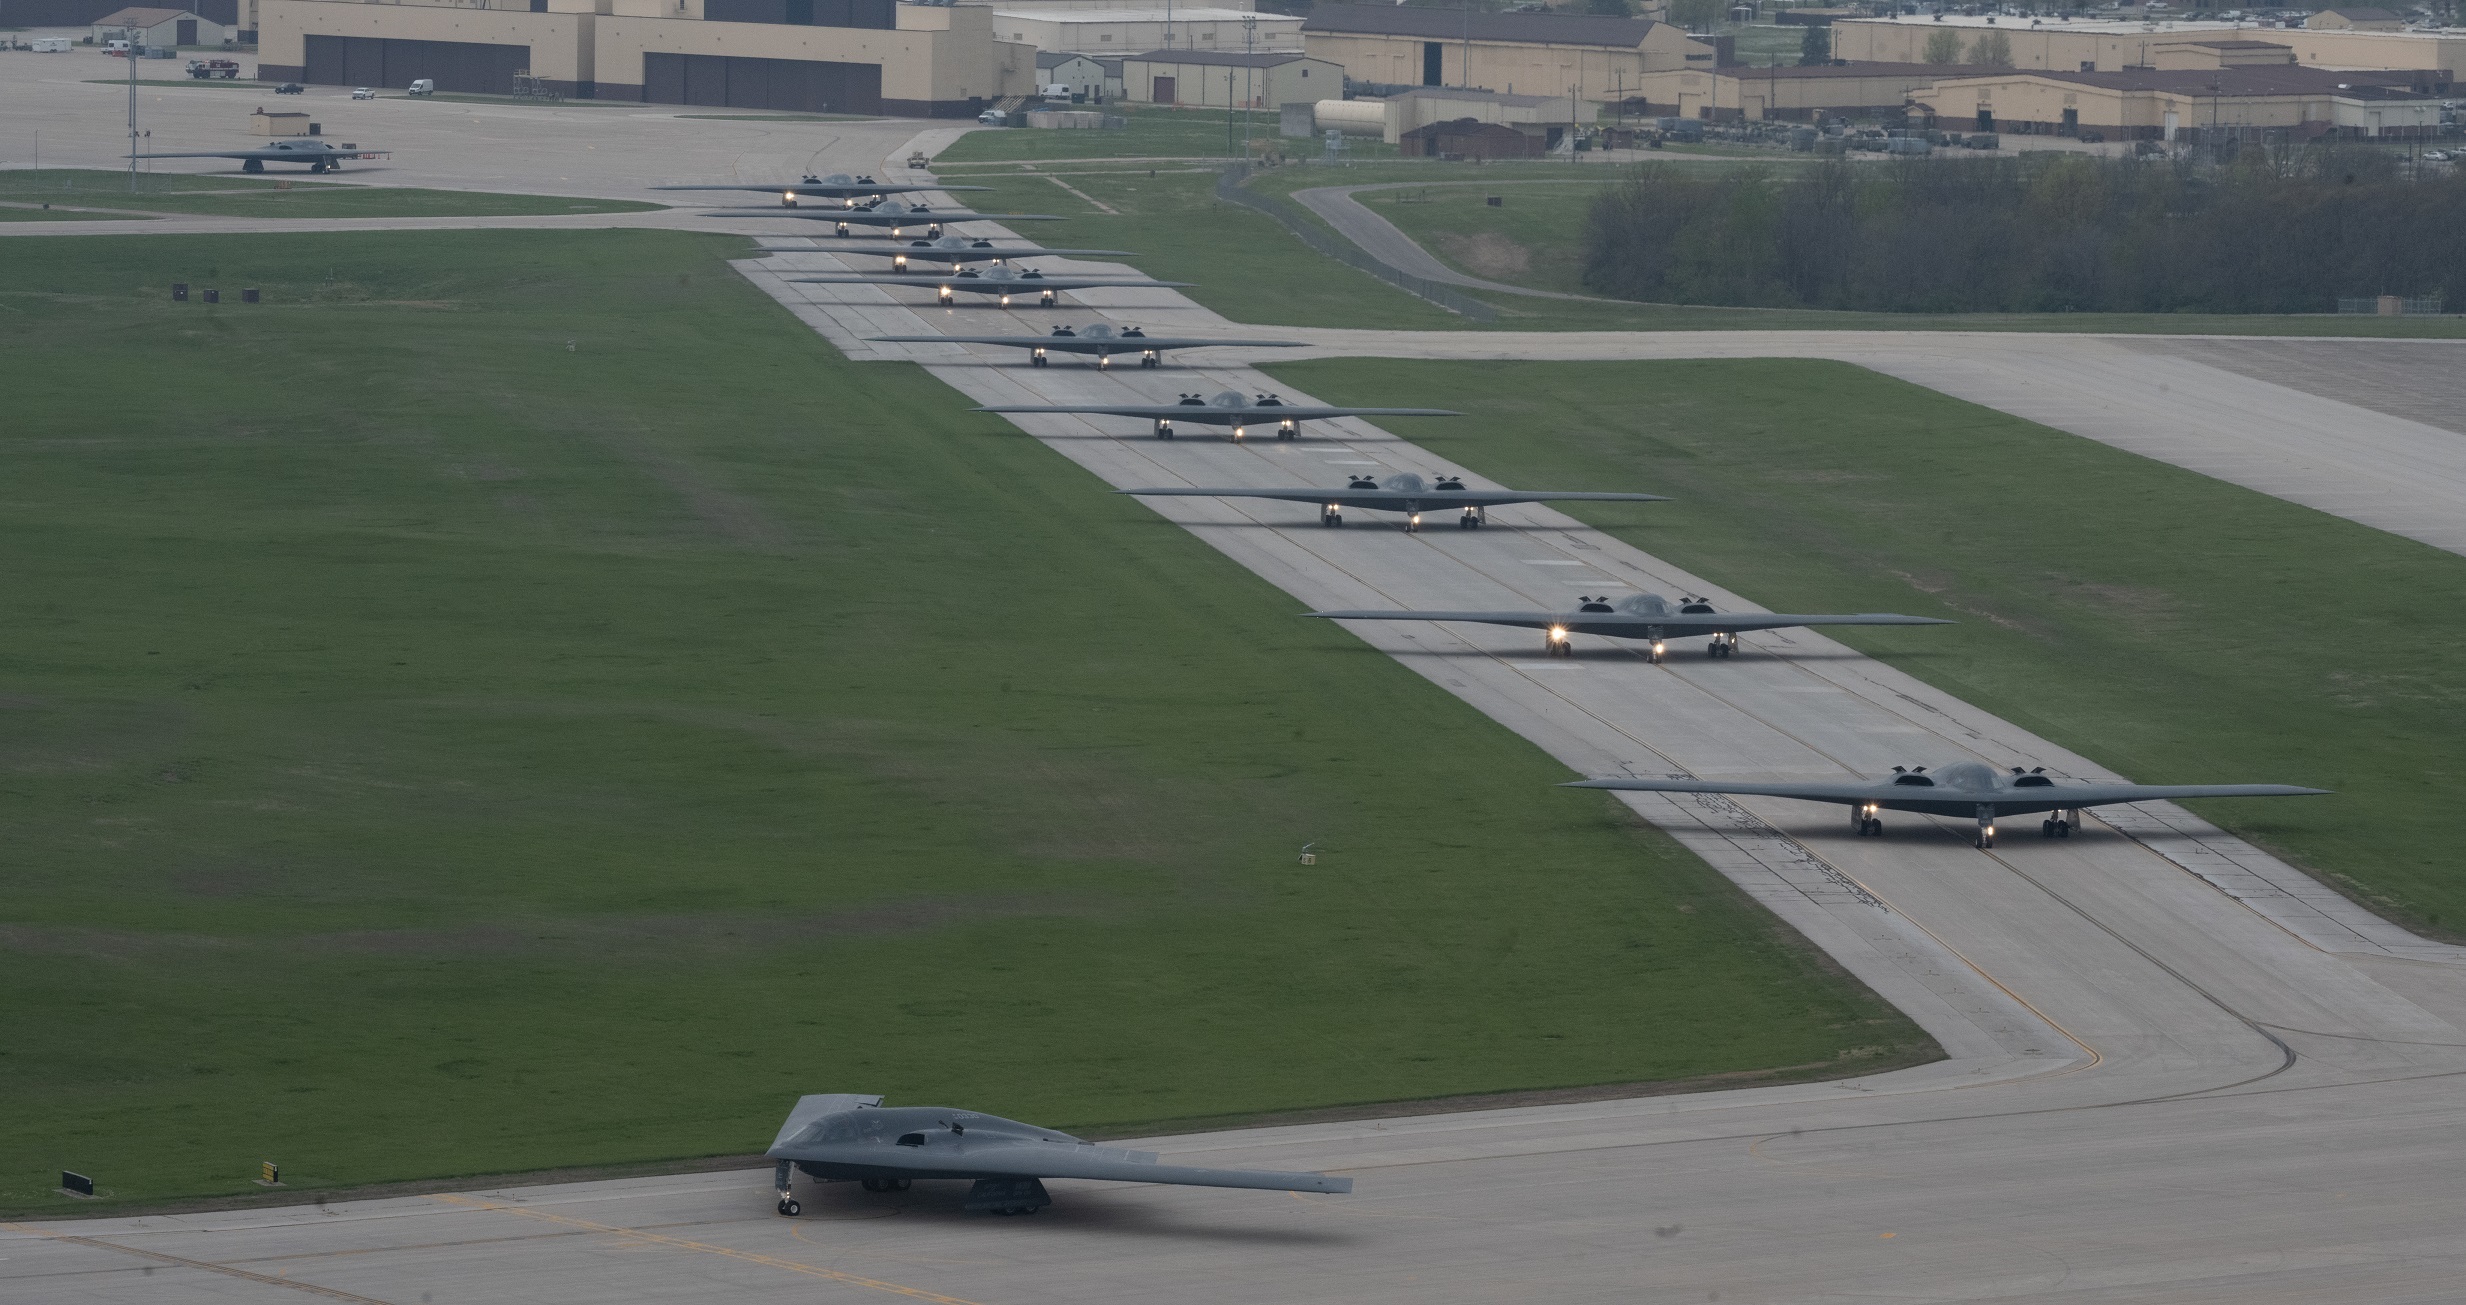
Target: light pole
1250 73
131 51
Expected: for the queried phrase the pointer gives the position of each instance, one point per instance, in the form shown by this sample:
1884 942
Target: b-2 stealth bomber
958 251
1404 492
888 213
1649 617
319 155
1007 283
1099 339
837 1137
1226 409
1964 788
839 186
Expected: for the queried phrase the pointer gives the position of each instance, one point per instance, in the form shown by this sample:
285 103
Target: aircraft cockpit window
1646 605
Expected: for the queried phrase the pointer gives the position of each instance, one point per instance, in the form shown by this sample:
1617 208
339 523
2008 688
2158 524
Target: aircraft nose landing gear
1863 820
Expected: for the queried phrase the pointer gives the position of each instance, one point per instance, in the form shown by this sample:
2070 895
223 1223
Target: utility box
277 123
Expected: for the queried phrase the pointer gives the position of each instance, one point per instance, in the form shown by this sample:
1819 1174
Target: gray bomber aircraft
896 216
319 155
841 1136
1964 788
1100 339
839 186
959 251
1406 493
1009 283
1641 616
1226 409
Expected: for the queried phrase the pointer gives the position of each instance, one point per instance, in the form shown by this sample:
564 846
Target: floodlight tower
132 116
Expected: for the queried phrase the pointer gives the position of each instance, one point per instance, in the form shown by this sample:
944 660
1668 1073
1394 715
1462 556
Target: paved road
2178 1070
1386 242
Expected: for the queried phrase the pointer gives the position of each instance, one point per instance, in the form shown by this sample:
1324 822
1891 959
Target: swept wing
1394 500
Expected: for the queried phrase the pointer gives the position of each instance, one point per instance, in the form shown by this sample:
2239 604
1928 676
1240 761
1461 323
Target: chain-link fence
1229 189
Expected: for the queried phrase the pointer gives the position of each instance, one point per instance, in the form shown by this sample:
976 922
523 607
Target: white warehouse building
1137 31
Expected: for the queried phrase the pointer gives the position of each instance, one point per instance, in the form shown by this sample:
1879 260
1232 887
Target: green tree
1944 46
1816 46
1696 15
1993 50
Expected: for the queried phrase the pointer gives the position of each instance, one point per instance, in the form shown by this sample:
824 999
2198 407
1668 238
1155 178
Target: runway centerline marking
683 1244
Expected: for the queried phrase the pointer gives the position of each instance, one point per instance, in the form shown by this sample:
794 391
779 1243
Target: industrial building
2062 45
1131 31
837 56
1540 116
1210 79
1091 78
1756 94
1603 59
158 27
2149 104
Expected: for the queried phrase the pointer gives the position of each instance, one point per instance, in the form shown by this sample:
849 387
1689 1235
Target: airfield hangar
813 56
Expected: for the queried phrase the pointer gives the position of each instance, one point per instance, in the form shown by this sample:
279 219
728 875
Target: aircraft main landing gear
1864 823
1556 644
1722 645
1164 430
253 165
1150 360
1037 359
1047 301
1329 516
2057 826
1473 519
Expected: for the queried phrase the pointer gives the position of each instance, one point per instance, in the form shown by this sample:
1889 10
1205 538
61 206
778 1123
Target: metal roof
1461 24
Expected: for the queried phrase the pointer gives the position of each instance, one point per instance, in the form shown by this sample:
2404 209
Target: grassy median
235 195
1252 270
528 702
2174 627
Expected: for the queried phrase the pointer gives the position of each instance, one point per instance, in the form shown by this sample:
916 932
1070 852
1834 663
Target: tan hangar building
1528 53
1789 93
2149 104
2061 45
837 56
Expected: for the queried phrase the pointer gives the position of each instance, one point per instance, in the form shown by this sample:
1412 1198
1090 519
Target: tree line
2275 231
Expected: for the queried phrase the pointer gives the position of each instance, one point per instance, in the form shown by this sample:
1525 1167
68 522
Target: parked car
2439 156
364 93
290 88
993 118
2093 138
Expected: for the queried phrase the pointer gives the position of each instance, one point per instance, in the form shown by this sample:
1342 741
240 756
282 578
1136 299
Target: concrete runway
2178 1069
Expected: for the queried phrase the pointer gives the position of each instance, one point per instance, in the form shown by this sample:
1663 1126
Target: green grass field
1152 134
529 702
2174 627
1249 269
233 195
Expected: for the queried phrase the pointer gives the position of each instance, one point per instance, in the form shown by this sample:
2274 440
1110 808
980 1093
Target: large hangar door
799 85
466 66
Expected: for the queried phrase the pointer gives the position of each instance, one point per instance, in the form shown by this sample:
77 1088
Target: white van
424 86
51 45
